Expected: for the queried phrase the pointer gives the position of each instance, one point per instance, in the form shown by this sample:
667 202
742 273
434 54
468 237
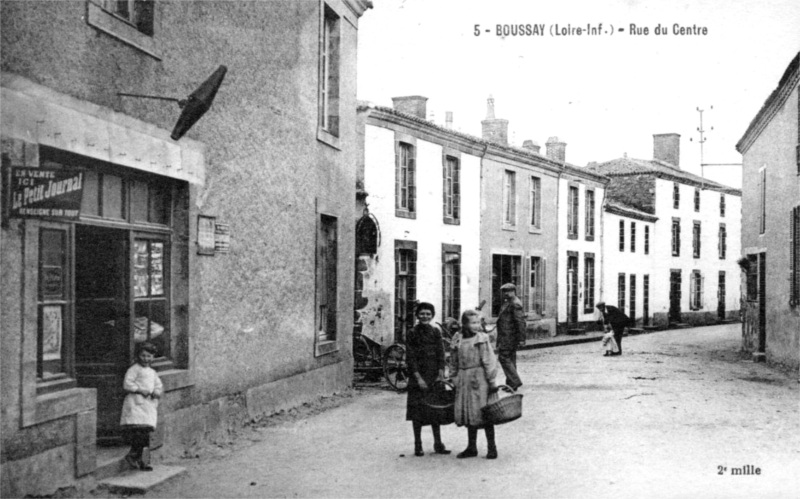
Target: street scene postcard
400 248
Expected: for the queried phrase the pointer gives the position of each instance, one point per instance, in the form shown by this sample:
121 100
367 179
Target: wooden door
675 296
572 289
102 315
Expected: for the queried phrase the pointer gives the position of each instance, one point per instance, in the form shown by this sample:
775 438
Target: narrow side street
680 414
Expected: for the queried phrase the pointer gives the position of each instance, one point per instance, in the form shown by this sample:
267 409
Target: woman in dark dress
425 358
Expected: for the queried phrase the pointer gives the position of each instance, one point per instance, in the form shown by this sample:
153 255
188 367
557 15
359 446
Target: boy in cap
510 333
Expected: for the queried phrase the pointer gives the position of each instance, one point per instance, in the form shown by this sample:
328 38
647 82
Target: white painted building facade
429 226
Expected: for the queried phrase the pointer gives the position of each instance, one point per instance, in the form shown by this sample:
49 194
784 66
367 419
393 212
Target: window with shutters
509 199
696 199
696 290
572 212
405 181
590 213
621 292
451 281
537 285
588 283
646 239
696 239
622 235
723 241
632 292
536 203
633 237
722 205
451 190
676 195
133 22
794 258
676 237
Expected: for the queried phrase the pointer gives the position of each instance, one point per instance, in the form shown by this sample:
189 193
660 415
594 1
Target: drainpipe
480 222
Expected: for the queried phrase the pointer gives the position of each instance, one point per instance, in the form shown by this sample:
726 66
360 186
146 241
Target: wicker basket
504 410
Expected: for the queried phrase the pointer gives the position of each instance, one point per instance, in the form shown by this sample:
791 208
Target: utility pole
702 141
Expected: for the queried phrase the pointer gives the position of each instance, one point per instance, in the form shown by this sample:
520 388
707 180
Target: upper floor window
676 237
633 237
329 73
405 180
697 199
137 13
646 239
722 205
452 191
676 195
509 198
622 235
589 215
572 213
536 202
696 239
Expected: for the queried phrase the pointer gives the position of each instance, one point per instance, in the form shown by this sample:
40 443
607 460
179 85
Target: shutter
444 187
692 292
396 175
525 283
412 182
456 190
702 291
543 283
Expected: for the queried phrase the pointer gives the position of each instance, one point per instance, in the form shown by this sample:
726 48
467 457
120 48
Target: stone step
139 482
576 331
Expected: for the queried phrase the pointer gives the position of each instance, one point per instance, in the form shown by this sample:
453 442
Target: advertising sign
44 192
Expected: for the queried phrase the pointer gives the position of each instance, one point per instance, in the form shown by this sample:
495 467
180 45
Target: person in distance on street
425 360
511 332
616 319
475 370
609 344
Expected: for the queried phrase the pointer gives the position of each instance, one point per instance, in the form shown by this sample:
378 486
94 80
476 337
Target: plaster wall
521 239
709 262
581 245
775 149
428 229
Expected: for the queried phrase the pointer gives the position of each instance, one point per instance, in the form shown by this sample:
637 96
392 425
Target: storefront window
151 322
52 303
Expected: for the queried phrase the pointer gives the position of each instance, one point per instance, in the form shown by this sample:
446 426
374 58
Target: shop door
674 296
102 341
572 289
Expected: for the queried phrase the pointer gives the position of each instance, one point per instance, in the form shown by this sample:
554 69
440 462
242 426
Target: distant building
230 247
770 151
682 227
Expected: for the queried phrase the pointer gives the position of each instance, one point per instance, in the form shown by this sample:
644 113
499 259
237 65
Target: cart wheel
394 367
362 353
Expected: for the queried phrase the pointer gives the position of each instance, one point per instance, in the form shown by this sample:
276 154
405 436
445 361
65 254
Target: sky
604 95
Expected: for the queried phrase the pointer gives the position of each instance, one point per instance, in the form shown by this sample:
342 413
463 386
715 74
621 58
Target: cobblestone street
680 414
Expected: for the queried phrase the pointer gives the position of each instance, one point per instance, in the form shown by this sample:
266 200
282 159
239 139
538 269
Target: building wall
522 239
265 173
709 262
581 245
774 149
428 229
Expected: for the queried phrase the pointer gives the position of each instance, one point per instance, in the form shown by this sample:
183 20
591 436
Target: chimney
493 129
667 148
415 105
531 146
448 119
556 150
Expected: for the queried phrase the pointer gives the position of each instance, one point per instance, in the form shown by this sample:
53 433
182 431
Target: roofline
710 185
771 106
391 115
627 211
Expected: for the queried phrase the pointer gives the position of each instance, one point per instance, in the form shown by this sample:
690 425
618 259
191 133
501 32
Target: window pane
139 195
89 203
150 324
113 197
141 276
156 269
159 204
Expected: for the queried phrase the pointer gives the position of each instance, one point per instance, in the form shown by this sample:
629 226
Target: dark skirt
420 412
